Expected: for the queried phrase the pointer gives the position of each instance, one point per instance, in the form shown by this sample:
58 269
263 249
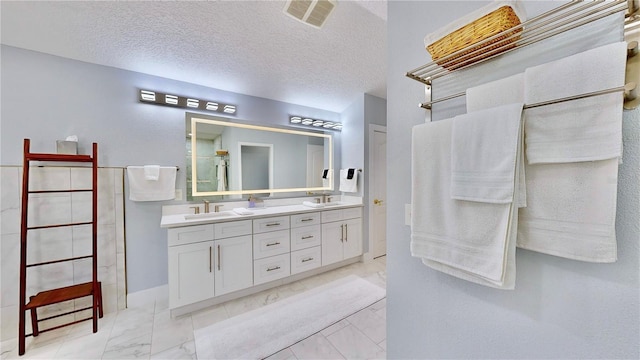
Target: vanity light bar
299 120
158 98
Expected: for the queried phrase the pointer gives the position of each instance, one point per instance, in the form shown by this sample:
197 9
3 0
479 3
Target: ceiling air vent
310 12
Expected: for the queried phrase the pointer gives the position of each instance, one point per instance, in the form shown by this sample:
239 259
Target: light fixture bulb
212 106
193 103
230 109
307 121
171 99
295 119
318 123
147 95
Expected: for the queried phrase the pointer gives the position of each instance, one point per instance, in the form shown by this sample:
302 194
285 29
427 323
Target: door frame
372 129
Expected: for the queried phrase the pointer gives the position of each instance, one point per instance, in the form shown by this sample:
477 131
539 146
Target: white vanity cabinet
341 235
209 261
203 263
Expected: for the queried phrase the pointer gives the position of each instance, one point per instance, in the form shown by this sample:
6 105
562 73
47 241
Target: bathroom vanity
217 257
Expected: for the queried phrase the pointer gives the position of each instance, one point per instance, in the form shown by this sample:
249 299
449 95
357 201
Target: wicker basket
491 24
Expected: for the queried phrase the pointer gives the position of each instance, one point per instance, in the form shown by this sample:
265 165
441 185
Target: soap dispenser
252 201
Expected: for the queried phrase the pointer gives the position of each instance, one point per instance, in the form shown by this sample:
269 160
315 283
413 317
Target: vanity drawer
270 224
351 213
305 237
331 216
190 234
271 268
307 259
270 244
341 214
305 219
232 228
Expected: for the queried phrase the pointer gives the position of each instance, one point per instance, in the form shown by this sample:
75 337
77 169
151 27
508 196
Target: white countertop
177 220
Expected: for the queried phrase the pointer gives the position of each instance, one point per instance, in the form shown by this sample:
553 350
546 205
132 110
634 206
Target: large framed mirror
228 159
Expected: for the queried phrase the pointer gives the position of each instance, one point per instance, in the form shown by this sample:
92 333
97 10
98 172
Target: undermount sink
211 215
322 205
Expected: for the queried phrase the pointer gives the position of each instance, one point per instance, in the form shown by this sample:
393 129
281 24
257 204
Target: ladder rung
57 191
63 314
61 260
58 157
59 295
61 326
59 225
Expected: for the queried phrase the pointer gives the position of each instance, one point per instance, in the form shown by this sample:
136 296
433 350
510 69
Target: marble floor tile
370 324
182 351
132 348
89 346
315 347
353 344
169 333
209 316
335 327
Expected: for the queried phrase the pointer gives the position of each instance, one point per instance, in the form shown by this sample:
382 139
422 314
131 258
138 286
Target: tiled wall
64 242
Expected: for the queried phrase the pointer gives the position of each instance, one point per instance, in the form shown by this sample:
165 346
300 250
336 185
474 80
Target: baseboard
144 297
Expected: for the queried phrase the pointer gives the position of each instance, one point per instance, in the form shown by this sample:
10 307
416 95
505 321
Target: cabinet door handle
307 237
308 259
210 250
219 251
346 232
305 220
273 268
272 244
273 224
342 233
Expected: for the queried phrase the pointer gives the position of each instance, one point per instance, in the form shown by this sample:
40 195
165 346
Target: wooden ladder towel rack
57 295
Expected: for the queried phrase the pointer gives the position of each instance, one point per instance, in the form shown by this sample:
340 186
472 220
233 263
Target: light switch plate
407 214
178 194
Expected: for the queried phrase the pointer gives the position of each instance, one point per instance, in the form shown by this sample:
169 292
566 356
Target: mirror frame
197 120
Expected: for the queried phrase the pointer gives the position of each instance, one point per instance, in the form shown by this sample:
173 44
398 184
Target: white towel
571 210
571 206
495 93
141 189
348 185
242 211
326 182
151 172
504 91
470 240
222 175
484 154
580 130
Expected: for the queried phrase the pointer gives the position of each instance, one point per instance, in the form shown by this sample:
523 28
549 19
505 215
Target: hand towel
346 184
242 211
326 182
484 151
504 91
141 189
151 172
470 240
221 175
580 130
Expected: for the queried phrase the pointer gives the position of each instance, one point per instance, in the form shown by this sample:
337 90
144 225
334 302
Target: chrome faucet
206 206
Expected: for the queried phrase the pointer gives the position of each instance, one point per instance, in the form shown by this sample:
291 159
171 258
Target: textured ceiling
248 47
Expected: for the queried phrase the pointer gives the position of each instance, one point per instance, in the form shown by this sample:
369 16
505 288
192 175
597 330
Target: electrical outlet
407 214
178 194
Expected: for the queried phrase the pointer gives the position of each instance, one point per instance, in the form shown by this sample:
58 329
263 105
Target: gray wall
45 98
560 308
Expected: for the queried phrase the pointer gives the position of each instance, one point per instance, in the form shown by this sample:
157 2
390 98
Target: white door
379 194
315 165
233 264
